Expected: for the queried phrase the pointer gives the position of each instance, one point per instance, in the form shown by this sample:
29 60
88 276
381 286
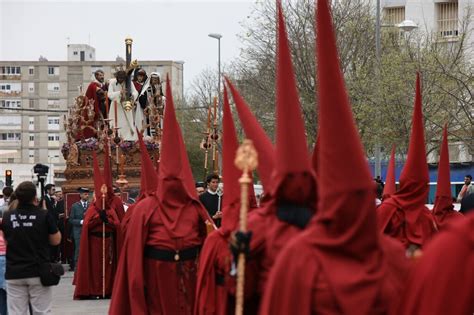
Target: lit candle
115 108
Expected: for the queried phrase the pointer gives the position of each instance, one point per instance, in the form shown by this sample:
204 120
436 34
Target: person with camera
29 231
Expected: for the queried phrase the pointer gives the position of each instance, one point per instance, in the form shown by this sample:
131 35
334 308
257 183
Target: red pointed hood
443 207
292 154
148 180
98 182
345 233
176 192
414 178
255 132
390 186
230 173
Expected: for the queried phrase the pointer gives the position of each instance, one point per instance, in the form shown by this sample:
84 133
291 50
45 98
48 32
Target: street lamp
218 37
407 26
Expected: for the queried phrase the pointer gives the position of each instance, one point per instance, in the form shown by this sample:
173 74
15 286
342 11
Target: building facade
35 96
442 18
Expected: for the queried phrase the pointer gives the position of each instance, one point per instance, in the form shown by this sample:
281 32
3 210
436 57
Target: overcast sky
161 30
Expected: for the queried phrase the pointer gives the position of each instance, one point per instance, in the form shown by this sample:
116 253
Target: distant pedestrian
76 219
467 188
29 231
7 192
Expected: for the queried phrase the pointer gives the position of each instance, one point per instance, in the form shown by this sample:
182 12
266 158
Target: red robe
89 274
298 283
410 224
91 93
444 213
149 286
443 281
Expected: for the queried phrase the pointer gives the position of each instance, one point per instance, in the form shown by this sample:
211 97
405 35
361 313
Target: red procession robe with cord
150 286
89 276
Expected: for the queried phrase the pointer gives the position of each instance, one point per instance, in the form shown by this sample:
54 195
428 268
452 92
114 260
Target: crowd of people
316 242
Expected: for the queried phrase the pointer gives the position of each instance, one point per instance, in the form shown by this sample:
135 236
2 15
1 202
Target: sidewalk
63 304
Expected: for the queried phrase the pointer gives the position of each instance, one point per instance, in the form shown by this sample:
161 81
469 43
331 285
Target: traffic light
8 178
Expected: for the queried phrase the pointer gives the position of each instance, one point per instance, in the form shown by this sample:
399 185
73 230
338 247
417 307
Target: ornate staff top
246 158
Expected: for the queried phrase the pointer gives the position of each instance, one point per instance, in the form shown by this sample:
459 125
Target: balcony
14 77
10 93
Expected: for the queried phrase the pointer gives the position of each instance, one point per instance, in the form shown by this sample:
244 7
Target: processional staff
246 160
103 190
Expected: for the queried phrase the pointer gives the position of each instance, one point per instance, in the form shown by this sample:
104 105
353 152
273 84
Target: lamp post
406 26
219 105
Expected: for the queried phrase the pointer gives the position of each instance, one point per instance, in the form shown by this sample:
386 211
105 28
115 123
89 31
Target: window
53 88
32 103
10 88
31 125
10 136
53 103
10 70
53 139
53 136
32 137
31 70
11 160
10 103
53 122
11 120
393 16
447 15
75 53
31 156
53 156
53 70
31 87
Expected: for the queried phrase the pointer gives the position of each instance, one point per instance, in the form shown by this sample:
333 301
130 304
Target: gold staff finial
246 159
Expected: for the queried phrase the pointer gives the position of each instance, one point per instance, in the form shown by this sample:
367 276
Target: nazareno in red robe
443 280
149 286
404 215
89 274
215 290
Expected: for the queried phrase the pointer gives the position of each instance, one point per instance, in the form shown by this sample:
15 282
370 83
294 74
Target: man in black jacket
212 198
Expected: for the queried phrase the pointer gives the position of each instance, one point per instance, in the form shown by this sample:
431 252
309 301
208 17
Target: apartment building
443 18
35 96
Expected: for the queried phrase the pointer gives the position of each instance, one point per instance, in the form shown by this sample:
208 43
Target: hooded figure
215 287
148 182
404 215
255 132
101 233
292 189
157 270
443 210
340 264
443 281
390 185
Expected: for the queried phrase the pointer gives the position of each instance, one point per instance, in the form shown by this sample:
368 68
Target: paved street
63 304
